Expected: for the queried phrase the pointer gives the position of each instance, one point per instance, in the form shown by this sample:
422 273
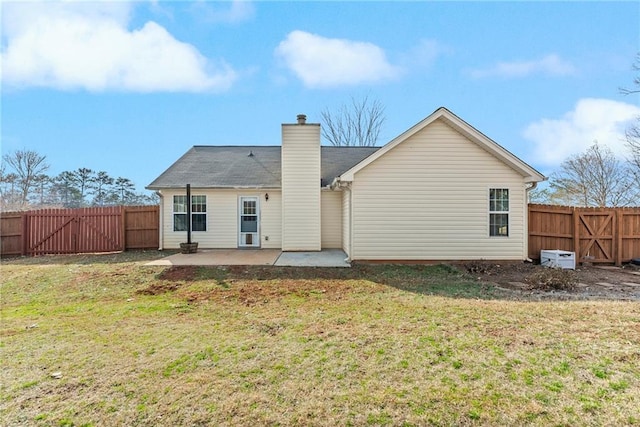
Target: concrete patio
325 258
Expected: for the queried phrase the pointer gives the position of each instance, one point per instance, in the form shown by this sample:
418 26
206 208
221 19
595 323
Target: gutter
335 183
530 186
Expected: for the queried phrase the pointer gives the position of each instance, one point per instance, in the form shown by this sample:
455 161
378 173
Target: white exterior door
248 222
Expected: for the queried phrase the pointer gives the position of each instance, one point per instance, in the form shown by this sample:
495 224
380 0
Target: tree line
25 184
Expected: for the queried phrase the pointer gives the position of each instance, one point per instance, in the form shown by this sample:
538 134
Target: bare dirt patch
179 273
258 285
252 285
606 282
253 292
157 289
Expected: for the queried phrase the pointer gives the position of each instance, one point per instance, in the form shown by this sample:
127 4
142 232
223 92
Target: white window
198 213
499 212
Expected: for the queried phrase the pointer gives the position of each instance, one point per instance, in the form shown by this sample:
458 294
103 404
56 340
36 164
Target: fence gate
600 235
68 231
596 233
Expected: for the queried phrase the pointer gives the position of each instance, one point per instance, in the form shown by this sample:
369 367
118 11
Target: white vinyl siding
301 188
222 219
331 219
427 199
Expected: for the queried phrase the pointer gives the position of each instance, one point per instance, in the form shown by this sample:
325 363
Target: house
439 191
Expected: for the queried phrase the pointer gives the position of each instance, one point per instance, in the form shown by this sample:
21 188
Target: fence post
576 232
25 234
617 236
123 229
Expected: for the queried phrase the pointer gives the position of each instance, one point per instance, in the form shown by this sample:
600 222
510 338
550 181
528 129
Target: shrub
480 267
556 279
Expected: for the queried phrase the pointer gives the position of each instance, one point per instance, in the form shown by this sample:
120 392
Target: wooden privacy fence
84 230
598 235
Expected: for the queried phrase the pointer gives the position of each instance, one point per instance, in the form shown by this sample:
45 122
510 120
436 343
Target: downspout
525 250
351 249
161 222
336 183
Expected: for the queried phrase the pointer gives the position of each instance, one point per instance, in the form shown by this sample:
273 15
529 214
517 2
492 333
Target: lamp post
189 247
189 214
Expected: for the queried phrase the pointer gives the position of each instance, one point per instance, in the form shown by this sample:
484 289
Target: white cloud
551 65
216 12
601 120
88 46
324 62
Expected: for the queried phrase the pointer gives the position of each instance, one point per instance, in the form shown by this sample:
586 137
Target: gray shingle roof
233 167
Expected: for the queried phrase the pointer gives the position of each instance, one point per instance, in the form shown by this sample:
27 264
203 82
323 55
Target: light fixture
266 196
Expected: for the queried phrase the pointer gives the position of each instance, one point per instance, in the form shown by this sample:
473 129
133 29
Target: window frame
496 207
198 209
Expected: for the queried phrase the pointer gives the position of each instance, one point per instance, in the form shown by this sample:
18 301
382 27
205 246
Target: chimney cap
302 119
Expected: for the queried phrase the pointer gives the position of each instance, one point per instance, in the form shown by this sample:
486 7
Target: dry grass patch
148 346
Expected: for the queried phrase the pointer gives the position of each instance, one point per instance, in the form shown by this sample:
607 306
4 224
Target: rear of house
440 191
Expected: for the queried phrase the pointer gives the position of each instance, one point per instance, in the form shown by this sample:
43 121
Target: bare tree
633 132
594 178
7 189
27 165
636 80
358 124
633 142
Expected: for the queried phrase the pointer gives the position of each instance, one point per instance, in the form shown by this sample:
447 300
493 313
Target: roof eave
215 187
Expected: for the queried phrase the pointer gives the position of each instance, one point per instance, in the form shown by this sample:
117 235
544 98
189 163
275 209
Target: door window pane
249 224
249 207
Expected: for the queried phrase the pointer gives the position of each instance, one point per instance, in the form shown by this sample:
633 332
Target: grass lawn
104 340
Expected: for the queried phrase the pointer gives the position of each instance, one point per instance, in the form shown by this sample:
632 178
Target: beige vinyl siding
301 187
346 221
428 197
331 224
271 220
222 219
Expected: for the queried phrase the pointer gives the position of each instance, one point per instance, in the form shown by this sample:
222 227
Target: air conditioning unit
558 259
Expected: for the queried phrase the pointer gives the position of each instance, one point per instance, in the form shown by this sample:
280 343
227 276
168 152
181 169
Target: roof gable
471 133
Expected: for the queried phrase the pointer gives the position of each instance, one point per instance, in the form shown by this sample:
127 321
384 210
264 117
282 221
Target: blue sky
129 87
